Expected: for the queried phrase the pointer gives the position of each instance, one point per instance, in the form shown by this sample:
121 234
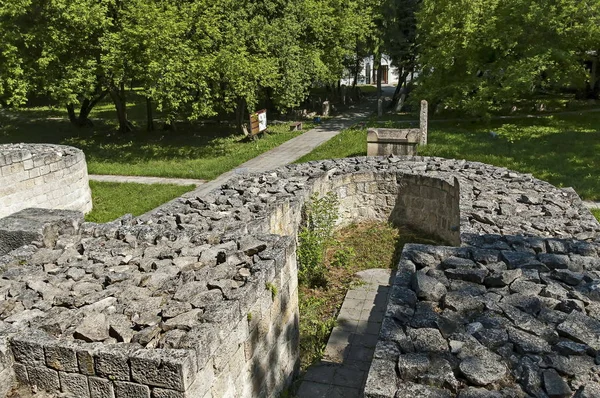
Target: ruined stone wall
45 176
199 297
431 205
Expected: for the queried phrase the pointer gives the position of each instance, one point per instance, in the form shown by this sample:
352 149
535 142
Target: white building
368 75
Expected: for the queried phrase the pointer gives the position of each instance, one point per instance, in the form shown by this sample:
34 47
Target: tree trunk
399 91
83 119
149 115
71 112
240 111
356 70
121 108
379 76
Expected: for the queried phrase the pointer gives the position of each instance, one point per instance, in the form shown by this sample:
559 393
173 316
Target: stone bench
400 142
385 142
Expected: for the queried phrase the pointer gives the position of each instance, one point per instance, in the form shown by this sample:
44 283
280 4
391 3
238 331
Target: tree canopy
478 55
191 58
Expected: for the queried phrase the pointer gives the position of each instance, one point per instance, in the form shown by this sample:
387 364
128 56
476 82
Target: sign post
258 122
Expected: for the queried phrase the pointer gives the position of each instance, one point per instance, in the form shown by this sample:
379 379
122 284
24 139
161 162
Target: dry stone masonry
44 176
199 297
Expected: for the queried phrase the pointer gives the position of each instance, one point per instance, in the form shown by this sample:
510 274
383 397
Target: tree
481 55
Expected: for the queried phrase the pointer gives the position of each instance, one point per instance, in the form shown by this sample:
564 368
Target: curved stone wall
43 176
199 297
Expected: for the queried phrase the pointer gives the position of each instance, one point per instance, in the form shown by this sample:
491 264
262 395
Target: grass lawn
561 149
357 247
112 200
195 150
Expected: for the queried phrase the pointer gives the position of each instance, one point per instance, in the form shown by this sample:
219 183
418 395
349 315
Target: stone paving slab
145 180
343 370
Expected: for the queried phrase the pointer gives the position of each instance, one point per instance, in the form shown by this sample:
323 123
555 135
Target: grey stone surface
41 225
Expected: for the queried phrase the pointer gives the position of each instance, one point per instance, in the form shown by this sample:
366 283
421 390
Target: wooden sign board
258 122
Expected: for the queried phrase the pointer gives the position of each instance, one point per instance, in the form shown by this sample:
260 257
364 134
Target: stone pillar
325 110
423 123
380 107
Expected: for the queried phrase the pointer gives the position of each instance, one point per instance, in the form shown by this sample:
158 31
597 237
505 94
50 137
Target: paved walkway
295 148
343 370
146 180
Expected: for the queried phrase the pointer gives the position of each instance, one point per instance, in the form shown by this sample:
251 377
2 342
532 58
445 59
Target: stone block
231 344
85 358
42 225
158 392
74 384
44 378
101 388
7 381
21 373
29 349
124 389
61 356
168 368
204 380
112 362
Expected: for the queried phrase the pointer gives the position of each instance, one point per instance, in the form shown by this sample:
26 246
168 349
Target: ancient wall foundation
43 176
198 298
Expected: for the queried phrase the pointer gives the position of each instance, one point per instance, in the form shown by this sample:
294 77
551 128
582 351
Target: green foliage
315 328
249 316
320 215
193 59
343 257
596 213
272 288
112 200
477 56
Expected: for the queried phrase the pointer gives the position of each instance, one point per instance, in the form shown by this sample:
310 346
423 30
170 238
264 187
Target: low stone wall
399 142
430 205
513 317
43 175
199 297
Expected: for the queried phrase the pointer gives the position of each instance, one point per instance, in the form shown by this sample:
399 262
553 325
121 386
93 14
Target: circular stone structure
199 297
43 176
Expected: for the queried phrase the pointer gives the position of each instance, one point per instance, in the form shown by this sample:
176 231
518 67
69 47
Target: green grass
596 213
561 149
195 150
112 200
350 142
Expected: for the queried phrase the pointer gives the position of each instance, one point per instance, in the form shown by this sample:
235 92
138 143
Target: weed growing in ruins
343 257
272 288
315 235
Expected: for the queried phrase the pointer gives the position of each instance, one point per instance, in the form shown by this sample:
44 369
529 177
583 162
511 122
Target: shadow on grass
195 150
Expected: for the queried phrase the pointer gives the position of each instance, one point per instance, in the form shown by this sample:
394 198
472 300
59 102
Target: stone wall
42 175
199 297
431 205
507 317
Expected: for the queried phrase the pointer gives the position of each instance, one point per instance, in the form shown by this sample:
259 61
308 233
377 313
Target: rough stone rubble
175 278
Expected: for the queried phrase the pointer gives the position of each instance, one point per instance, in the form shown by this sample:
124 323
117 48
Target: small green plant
320 215
272 288
315 327
343 257
249 316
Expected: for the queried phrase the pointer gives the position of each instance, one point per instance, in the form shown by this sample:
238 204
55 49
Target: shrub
320 215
